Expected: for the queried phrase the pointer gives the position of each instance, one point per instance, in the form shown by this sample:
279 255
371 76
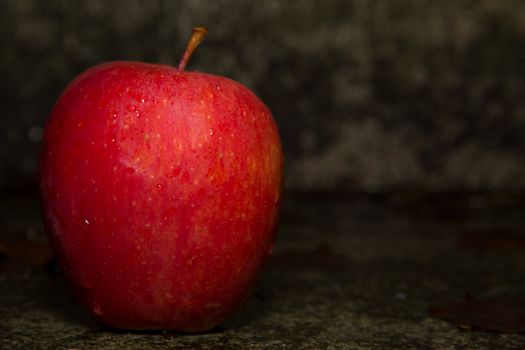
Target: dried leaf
321 257
497 315
498 240
18 254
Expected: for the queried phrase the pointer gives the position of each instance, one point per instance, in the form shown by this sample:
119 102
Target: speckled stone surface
368 95
348 272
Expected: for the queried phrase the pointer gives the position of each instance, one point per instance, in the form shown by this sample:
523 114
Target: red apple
161 191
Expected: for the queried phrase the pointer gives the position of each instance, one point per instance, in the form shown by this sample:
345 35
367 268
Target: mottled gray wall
369 95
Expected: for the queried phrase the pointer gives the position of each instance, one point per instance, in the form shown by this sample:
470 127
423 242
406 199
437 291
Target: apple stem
197 36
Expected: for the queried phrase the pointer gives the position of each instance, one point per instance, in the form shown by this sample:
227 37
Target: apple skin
161 192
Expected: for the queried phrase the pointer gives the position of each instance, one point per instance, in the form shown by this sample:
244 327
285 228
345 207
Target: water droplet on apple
211 132
97 309
86 221
159 186
132 108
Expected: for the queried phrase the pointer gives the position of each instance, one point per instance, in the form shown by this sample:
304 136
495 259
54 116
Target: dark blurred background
371 96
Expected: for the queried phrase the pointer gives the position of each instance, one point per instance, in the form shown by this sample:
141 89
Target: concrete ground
348 272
